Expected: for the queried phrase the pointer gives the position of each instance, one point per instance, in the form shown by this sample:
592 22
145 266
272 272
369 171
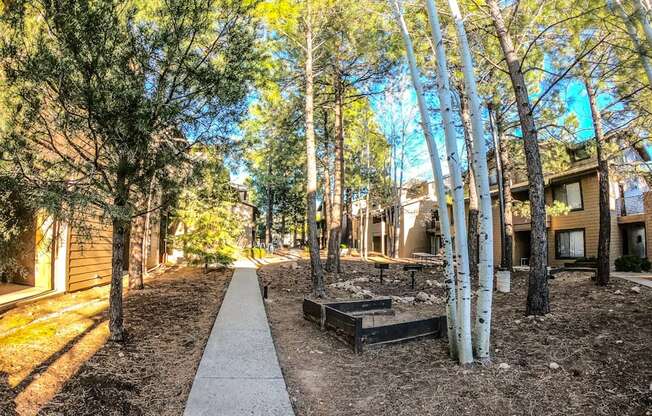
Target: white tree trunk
486 270
461 244
461 349
641 14
617 6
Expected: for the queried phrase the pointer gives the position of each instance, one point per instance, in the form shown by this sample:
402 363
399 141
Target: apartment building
60 257
571 236
574 235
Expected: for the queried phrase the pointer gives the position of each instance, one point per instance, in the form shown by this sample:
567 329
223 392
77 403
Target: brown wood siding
586 218
90 254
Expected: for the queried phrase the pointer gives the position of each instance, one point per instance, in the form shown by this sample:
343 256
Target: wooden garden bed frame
345 321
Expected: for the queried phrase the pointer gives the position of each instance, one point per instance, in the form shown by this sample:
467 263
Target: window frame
563 184
558 255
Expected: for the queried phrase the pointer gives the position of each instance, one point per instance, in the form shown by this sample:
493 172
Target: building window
375 219
569 244
581 153
493 176
570 194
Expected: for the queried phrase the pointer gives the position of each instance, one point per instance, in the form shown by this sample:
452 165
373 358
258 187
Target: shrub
256 252
646 265
630 263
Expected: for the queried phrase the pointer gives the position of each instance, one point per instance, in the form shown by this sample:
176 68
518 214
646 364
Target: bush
630 263
255 253
343 246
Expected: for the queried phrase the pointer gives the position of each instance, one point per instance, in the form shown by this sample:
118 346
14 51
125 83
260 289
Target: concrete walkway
239 372
643 279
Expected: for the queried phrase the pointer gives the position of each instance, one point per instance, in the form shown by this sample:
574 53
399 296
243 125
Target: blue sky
572 92
417 161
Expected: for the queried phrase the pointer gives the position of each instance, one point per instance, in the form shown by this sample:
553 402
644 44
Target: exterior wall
246 213
586 219
647 216
89 259
415 218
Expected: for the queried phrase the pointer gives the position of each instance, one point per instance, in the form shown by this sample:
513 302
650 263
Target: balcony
630 205
524 224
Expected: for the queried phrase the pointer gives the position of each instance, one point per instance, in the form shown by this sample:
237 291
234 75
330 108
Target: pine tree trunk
335 237
270 208
459 331
538 297
328 209
136 242
294 233
507 256
303 231
604 233
116 327
146 225
311 168
282 242
473 192
383 216
368 203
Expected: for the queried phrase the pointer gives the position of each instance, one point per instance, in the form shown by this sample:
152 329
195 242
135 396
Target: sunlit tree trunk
453 157
327 208
136 239
116 325
459 332
269 223
311 162
618 8
146 226
473 191
643 16
604 234
486 259
335 236
537 299
506 173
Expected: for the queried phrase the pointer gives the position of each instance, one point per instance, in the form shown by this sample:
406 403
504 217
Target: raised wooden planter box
344 320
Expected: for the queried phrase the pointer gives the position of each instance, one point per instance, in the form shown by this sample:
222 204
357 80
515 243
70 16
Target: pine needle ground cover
599 338
55 358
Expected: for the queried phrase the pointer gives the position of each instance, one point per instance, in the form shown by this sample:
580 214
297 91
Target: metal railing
630 205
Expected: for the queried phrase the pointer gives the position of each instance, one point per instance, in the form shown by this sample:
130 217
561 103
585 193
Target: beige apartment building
570 237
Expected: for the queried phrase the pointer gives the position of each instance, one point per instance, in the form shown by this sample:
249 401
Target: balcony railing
630 205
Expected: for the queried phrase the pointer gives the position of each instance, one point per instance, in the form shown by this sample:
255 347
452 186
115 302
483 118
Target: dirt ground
600 337
55 358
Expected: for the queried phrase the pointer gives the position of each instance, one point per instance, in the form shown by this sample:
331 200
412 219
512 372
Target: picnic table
426 258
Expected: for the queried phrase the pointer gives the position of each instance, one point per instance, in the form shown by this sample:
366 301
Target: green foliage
255 253
632 263
16 219
105 92
557 209
205 208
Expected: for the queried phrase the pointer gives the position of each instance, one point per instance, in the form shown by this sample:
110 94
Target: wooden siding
89 260
586 218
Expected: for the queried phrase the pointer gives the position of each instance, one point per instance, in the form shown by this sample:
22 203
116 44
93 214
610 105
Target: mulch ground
600 337
168 324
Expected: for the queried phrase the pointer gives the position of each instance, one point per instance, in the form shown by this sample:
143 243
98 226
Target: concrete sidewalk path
239 372
643 279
